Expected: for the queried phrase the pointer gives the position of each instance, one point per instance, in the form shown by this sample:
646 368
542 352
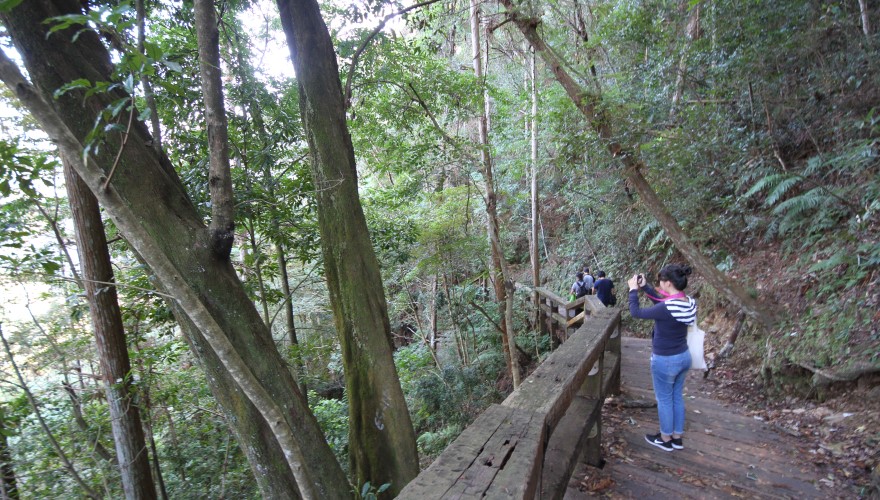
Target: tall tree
219 179
866 17
589 103
8 482
147 202
534 251
382 441
501 274
691 33
97 277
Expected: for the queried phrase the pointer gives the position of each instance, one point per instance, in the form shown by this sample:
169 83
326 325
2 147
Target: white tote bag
695 346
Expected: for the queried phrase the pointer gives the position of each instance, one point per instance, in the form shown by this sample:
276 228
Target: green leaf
80 83
173 66
118 106
7 5
50 267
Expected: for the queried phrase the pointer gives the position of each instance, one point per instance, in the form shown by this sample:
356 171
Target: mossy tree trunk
382 441
147 202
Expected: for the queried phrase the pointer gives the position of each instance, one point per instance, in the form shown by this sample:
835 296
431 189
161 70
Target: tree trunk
432 338
734 334
866 18
289 320
534 251
146 200
590 106
692 32
222 227
97 272
500 273
8 482
146 405
381 438
145 80
257 254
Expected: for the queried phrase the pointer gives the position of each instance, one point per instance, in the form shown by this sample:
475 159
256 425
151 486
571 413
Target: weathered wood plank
516 444
579 317
759 483
437 479
527 463
566 444
593 303
552 385
504 444
738 457
546 292
610 373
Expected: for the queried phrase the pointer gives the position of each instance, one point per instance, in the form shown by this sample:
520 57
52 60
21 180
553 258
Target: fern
814 164
763 183
658 240
801 203
646 231
781 189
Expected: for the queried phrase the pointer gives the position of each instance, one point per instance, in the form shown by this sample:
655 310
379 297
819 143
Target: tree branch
486 314
363 46
51 437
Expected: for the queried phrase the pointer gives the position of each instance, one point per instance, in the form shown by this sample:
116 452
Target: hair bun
686 269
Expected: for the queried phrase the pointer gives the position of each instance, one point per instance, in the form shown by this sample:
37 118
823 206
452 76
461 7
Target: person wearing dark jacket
672 312
604 288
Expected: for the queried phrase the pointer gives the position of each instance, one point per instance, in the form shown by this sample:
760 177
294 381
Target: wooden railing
561 317
528 446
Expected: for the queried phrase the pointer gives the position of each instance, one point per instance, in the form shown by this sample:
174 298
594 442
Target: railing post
592 389
613 346
545 317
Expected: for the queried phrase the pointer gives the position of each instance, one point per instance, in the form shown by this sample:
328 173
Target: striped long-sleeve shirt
671 319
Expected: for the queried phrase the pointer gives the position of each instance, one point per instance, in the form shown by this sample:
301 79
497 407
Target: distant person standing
589 281
579 288
604 288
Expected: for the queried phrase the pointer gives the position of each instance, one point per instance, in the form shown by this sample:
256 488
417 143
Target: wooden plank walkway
726 455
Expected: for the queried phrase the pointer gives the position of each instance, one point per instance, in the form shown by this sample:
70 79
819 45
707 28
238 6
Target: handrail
561 316
513 449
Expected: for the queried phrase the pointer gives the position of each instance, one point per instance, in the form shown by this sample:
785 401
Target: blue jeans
669 373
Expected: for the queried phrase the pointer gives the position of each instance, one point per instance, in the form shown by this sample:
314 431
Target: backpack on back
581 289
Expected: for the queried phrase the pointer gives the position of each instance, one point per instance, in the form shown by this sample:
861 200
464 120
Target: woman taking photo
672 312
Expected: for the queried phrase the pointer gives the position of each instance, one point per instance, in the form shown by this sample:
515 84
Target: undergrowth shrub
443 402
332 416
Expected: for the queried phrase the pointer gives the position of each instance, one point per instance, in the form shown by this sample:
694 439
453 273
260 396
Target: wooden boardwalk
726 455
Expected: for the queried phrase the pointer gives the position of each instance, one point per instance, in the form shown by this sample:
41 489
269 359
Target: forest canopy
288 249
